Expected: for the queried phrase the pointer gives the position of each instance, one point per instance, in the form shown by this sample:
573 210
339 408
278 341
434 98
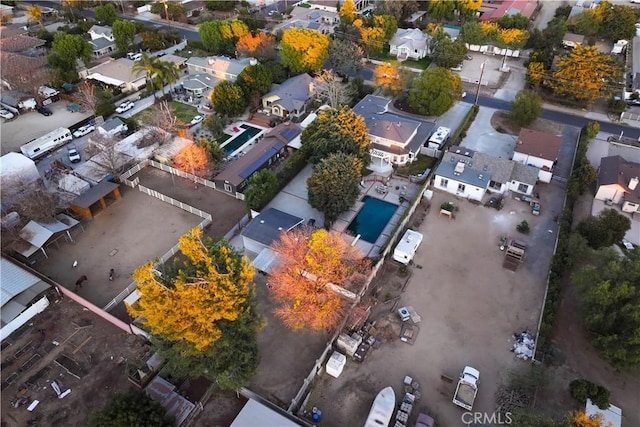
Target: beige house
290 98
618 183
220 67
118 73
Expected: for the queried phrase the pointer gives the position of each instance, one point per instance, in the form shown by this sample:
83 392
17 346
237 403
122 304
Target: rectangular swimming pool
237 142
372 218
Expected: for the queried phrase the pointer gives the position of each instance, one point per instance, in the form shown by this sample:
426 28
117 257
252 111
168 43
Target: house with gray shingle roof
409 43
470 174
220 67
322 21
266 228
618 182
395 139
290 98
101 31
102 46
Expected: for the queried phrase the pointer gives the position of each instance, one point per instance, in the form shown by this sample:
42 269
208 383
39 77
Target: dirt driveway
470 307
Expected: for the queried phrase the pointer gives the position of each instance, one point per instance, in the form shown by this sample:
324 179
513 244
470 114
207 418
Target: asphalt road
561 117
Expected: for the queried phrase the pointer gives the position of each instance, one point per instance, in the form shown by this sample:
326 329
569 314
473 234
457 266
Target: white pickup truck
467 388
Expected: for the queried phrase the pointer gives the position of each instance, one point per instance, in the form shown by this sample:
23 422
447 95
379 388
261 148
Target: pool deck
395 188
248 144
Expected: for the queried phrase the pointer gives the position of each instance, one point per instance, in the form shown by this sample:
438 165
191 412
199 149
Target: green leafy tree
439 9
304 50
585 174
337 131
526 108
255 79
472 33
124 33
106 13
133 408
334 185
254 21
228 99
345 56
66 49
517 21
399 9
447 53
388 24
619 23
261 188
220 37
604 230
220 4
591 129
214 153
175 10
586 23
612 306
435 91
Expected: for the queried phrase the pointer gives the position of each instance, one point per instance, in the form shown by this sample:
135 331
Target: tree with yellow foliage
389 77
468 8
512 37
192 159
348 11
585 74
310 263
201 315
304 50
535 73
581 419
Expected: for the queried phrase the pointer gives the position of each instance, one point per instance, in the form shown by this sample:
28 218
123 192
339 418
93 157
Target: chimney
633 182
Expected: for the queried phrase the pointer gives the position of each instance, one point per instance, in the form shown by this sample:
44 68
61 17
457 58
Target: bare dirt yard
131 231
470 307
503 124
91 359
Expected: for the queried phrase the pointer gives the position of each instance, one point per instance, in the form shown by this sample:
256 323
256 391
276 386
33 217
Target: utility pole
166 13
484 63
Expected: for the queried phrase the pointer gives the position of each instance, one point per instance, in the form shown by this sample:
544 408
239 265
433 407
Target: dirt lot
137 228
470 307
96 353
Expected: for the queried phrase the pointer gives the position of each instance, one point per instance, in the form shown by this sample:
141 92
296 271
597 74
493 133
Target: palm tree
34 12
154 68
170 73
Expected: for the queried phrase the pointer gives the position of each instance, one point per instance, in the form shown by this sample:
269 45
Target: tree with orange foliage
389 77
581 419
309 265
201 311
261 46
192 159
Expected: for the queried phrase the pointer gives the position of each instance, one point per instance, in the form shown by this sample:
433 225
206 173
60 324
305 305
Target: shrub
523 227
292 167
581 390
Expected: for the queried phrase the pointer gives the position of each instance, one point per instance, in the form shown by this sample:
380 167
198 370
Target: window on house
395 159
228 188
461 188
523 188
444 182
495 185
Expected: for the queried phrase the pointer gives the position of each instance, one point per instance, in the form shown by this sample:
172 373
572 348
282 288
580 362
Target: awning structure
104 79
36 236
266 260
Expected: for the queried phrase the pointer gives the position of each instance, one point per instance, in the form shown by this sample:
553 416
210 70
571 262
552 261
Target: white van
134 56
407 247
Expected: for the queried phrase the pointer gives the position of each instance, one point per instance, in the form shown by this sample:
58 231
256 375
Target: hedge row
461 132
561 258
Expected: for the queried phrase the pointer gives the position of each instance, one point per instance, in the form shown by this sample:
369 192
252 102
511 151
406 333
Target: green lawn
423 64
183 112
418 166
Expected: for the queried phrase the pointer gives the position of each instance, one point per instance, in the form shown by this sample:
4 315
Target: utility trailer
514 254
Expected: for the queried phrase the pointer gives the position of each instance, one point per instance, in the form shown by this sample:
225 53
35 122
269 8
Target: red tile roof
539 144
497 9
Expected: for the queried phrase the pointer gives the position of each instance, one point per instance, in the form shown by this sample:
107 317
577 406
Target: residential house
632 84
538 149
198 84
496 9
102 46
24 62
266 228
395 139
264 154
618 183
6 12
289 99
101 31
409 43
583 6
571 40
220 67
470 174
193 8
331 5
118 73
112 127
322 21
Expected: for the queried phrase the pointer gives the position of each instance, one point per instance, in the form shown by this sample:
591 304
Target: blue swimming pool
237 142
372 218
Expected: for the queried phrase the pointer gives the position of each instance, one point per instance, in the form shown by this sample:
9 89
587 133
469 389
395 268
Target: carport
83 204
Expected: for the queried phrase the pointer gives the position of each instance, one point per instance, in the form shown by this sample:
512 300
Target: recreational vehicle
46 143
407 247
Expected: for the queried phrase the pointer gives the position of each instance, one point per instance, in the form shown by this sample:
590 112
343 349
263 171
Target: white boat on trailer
382 409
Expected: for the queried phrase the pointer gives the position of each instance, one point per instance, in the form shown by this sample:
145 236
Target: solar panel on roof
290 133
313 25
314 15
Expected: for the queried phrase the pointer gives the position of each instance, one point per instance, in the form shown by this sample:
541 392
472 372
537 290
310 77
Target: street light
480 81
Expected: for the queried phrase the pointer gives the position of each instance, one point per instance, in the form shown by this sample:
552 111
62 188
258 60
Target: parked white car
457 68
74 155
84 130
196 120
6 114
627 244
125 106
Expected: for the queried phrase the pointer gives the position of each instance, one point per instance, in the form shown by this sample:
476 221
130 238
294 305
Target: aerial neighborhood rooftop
320 213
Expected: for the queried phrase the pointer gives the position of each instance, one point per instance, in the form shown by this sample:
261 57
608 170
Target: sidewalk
152 17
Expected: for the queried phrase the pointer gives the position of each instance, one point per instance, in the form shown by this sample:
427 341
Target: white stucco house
618 182
471 175
220 67
395 139
409 43
538 149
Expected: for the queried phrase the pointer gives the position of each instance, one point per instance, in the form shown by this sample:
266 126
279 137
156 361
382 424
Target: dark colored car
45 111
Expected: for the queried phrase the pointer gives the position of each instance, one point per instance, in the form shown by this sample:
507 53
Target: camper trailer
407 247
